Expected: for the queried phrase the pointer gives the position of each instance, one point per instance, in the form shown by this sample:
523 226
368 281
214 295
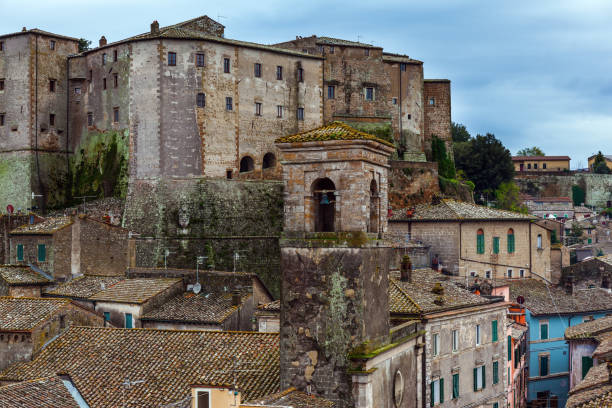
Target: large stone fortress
183 102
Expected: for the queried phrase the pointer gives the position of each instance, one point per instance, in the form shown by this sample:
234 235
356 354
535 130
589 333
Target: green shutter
543 366
510 243
42 253
484 377
494 331
496 245
509 348
455 385
587 363
441 390
128 321
543 331
476 379
20 252
431 386
495 372
495 405
480 246
516 358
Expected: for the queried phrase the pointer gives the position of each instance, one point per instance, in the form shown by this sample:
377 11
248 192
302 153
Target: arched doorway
246 164
374 218
323 190
269 161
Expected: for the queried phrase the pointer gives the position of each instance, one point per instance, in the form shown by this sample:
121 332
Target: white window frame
436 344
479 379
539 241
455 339
208 390
436 389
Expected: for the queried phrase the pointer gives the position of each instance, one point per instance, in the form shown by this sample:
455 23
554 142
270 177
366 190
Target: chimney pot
406 269
154 27
102 41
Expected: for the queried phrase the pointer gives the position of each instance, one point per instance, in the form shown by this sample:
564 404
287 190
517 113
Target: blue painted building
549 311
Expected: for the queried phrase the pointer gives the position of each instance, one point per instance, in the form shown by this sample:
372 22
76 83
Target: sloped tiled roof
596 384
420 291
399 301
605 345
191 308
457 210
543 299
273 307
517 330
135 290
21 275
98 360
589 329
536 158
291 398
341 42
602 401
27 313
387 56
84 287
333 131
48 226
41 32
49 392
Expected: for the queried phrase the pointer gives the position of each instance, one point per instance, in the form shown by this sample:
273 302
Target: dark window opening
201 100
367 52
103 59
116 115
1 45
115 56
332 49
172 58
226 65
90 75
543 366
229 104
374 207
52 85
279 72
320 49
115 80
269 161
228 174
51 119
394 101
203 399
247 164
257 108
279 111
52 44
199 60
535 165
402 67
432 101
300 113
89 119
369 94
2 119
324 205
257 69
1 84
300 75
543 165
331 92
103 83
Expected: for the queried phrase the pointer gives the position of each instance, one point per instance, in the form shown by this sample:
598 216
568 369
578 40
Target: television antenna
237 256
33 197
127 384
197 287
81 197
166 253
234 370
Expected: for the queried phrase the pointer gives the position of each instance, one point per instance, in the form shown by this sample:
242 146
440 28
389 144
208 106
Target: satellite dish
197 288
10 209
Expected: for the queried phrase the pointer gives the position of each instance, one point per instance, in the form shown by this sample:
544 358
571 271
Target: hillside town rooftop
448 210
135 290
24 314
333 131
83 287
21 275
48 392
291 398
590 329
595 388
46 227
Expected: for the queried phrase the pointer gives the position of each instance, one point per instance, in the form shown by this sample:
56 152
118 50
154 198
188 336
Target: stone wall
598 187
412 183
103 248
438 113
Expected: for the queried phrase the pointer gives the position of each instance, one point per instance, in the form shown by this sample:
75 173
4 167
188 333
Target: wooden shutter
42 253
543 331
509 348
476 379
431 391
494 331
441 390
495 372
496 245
484 377
455 385
19 252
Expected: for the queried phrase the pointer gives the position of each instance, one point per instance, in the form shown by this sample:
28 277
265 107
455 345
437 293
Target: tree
84 44
576 230
507 195
485 161
459 132
578 195
446 168
599 164
531 151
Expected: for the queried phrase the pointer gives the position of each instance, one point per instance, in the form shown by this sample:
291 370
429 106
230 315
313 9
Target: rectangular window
279 111
172 58
494 331
544 330
369 94
480 246
115 80
543 165
394 100
107 316
495 372
488 274
516 357
479 378
432 101
129 323
511 242
226 65
1 45
115 56
496 405
199 60
203 399
320 49
332 49
116 115
52 44
89 119
455 338
535 165
2 119
528 165
300 113
229 104
587 363
201 100
436 344
20 252
257 69
52 85
2 84
331 92
478 335
496 245
103 83
539 241
103 59
543 366
77 91
509 273
522 273
402 67
455 385
90 75
509 348
257 108
51 119
279 72
437 392
42 252
367 52
300 75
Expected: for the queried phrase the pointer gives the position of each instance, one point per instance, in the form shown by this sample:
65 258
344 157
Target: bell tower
334 291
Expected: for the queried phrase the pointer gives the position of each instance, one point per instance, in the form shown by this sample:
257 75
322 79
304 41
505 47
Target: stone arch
323 193
269 161
247 164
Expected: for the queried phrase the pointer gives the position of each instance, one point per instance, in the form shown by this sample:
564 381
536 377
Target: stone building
22 281
374 90
541 163
336 337
475 240
27 324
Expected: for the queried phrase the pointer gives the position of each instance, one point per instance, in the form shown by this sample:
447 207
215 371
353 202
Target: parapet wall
598 187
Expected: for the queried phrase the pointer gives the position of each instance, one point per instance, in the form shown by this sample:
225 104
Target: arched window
374 218
510 241
269 161
323 190
246 164
539 241
480 243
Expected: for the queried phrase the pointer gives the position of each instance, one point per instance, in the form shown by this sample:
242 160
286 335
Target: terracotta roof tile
27 313
98 360
135 291
84 287
341 42
291 398
191 308
270 307
389 57
399 301
21 275
333 131
49 392
517 330
602 401
589 329
456 210
521 158
48 226
605 345
543 299
596 383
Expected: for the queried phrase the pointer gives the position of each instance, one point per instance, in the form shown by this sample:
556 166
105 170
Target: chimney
569 285
24 29
155 27
236 300
102 41
406 269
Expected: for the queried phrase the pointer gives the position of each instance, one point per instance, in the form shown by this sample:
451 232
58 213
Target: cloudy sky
531 72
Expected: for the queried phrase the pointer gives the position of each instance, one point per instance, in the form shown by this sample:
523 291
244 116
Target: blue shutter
128 321
20 252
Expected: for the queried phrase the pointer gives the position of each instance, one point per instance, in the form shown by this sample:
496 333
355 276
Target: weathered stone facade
597 187
437 103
